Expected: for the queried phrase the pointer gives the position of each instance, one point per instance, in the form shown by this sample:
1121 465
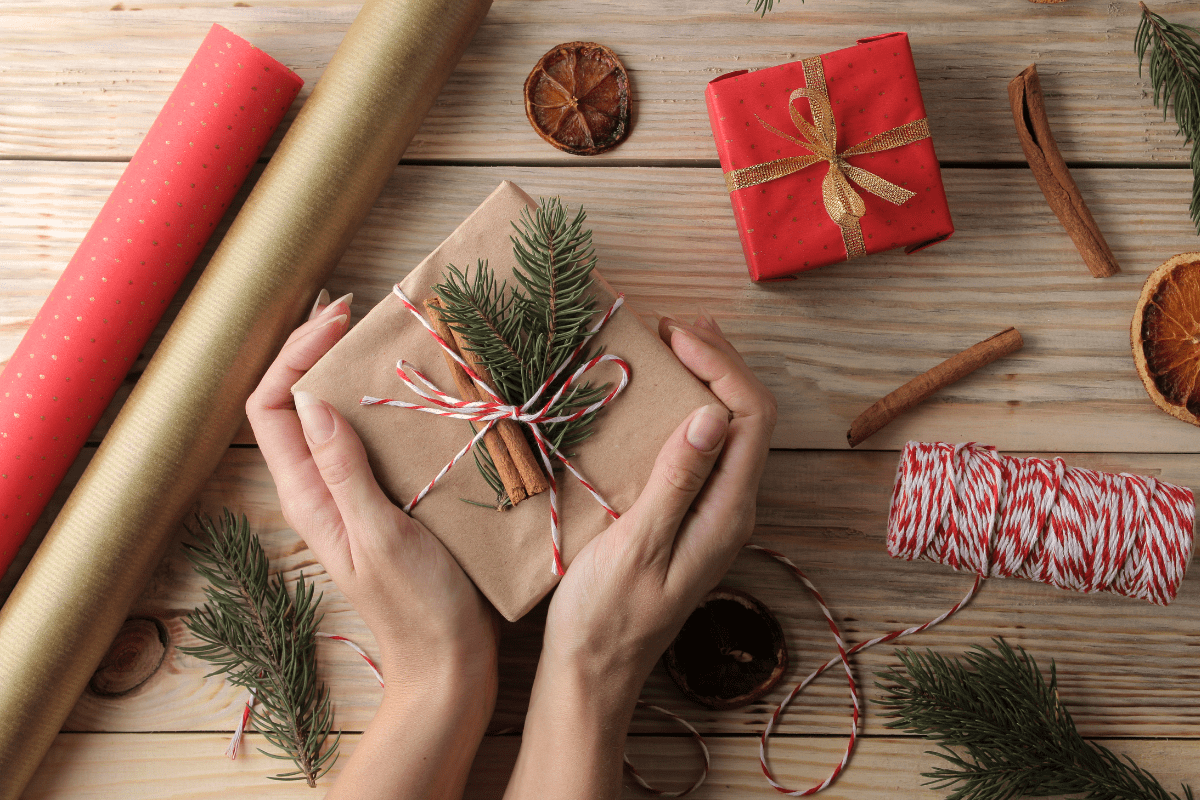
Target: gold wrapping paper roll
187 407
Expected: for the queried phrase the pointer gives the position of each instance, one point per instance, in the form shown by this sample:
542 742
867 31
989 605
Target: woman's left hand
437 636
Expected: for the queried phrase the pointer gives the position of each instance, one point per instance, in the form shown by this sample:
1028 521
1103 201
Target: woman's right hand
629 591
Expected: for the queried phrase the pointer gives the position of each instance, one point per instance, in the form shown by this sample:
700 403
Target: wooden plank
1125 668
86 81
828 344
183 766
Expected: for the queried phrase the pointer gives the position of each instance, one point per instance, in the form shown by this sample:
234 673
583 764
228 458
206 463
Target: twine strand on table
529 414
843 657
239 731
640 781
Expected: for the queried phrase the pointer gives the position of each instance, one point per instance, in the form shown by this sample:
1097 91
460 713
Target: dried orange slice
730 651
577 98
1166 337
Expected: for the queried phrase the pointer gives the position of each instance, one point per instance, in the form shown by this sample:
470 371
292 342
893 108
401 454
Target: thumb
681 470
342 461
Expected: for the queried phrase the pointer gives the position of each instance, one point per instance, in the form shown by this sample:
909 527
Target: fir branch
483 311
1174 67
555 260
554 266
1003 731
487 468
525 332
263 638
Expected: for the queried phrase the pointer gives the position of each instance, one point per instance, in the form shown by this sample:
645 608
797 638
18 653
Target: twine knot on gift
530 414
844 205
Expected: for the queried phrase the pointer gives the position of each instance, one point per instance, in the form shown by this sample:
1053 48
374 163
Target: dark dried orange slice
1165 334
729 653
577 98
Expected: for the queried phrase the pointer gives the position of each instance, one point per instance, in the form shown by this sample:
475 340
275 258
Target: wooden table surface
80 82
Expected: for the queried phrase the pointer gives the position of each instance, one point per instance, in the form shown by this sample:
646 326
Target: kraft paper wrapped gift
507 554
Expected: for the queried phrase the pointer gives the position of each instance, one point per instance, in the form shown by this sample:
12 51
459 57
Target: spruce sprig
524 332
761 7
1174 68
262 637
1004 731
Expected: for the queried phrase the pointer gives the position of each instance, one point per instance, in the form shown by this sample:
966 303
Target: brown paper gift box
506 553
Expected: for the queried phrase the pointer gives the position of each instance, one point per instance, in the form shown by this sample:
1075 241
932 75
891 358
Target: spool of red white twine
971 508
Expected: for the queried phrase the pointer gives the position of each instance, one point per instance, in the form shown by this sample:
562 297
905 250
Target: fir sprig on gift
1003 730
523 333
262 637
1174 67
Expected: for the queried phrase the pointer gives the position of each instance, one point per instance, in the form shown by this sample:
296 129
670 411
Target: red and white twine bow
489 412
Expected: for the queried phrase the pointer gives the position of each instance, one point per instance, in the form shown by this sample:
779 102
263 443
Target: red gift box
829 158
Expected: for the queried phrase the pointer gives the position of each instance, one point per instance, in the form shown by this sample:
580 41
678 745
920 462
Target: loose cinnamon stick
511 453
1048 167
952 369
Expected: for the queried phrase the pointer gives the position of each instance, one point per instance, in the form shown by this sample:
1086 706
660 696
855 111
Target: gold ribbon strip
843 204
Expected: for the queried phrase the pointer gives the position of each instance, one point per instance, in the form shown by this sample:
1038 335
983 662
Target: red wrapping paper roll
111 296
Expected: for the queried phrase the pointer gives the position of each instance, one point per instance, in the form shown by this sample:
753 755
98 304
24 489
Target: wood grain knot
135 655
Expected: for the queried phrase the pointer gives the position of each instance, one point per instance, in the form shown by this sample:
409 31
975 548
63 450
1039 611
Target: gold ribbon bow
843 204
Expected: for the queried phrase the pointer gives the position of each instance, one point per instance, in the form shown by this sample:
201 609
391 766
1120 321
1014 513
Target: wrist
615 673
601 692
578 720
446 686
464 704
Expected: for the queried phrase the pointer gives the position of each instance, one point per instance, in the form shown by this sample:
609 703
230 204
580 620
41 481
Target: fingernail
707 428
706 319
340 319
669 325
322 300
347 298
315 417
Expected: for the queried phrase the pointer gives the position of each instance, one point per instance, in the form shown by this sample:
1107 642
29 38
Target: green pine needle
524 332
1174 68
1003 731
262 637
761 7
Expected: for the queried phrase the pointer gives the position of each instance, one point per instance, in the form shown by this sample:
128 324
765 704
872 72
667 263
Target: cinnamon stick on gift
1048 167
952 369
511 454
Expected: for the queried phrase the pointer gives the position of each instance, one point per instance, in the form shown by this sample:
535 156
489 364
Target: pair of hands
622 600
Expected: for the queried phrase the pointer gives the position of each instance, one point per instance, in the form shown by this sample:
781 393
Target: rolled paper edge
61 442
176 426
